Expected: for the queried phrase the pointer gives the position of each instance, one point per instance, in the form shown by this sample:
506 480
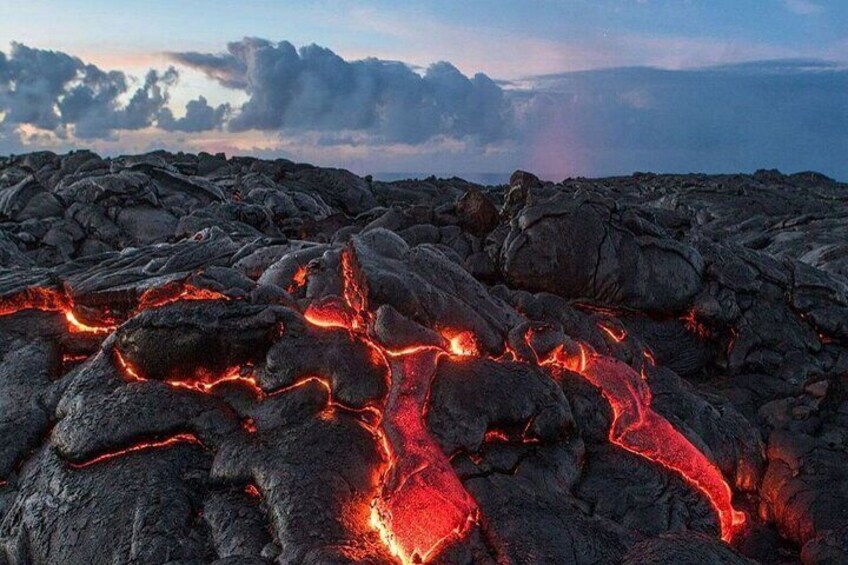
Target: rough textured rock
235 361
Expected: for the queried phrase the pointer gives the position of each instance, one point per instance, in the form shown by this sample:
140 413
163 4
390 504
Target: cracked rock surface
212 360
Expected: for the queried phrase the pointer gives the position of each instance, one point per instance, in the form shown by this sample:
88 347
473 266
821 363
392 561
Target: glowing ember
494 436
694 325
616 334
462 344
249 425
185 438
252 491
328 315
174 292
127 368
76 326
301 275
71 358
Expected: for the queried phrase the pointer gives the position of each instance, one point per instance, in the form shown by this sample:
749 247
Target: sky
559 87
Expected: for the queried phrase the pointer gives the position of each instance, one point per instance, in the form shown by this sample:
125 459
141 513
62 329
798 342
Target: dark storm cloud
52 90
315 89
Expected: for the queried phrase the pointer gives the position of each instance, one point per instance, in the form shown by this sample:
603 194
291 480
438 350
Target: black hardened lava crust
242 361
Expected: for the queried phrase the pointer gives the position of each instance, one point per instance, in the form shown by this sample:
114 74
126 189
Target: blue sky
512 42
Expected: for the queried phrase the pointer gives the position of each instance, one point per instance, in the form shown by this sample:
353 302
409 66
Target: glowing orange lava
73 358
462 343
640 430
205 381
616 334
49 300
301 275
174 292
144 446
128 368
694 325
494 436
422 504
53 300
328 315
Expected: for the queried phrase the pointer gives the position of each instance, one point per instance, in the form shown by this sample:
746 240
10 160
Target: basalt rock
213 360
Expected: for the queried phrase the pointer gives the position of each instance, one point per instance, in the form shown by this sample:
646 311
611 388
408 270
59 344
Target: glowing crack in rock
50 300
183 438
54 300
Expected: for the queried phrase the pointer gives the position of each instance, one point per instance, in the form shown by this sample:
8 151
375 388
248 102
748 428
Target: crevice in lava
177 439
61 301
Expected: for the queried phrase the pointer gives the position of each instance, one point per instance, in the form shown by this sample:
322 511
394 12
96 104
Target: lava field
242 361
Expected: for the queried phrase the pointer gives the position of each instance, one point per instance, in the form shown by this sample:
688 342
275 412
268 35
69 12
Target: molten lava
422 504
174 292
616 334
637 428
301 275
49 300
53 300
205 381
462 343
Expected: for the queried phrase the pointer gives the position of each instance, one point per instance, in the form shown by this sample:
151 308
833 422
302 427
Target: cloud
803 7
57 92
313 89
199 116
376 115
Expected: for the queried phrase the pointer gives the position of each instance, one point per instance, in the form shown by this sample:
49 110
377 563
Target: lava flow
421 505
637 428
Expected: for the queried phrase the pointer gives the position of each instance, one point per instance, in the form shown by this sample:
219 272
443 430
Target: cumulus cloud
314 89
54 91
199 116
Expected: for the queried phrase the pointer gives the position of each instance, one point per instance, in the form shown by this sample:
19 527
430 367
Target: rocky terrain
238 361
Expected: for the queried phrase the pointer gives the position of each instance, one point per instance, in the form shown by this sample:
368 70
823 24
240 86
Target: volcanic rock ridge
243 361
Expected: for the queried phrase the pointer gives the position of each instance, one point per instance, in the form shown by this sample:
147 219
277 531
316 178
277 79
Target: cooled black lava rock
206 402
